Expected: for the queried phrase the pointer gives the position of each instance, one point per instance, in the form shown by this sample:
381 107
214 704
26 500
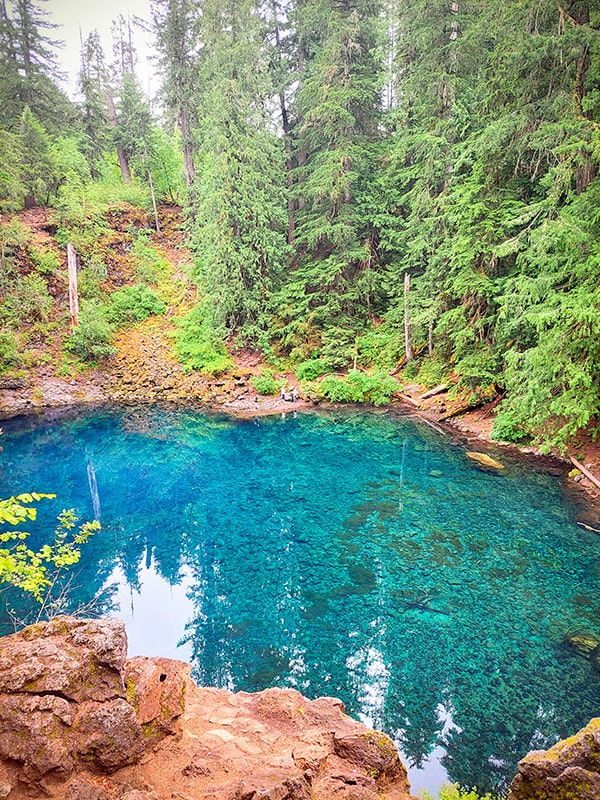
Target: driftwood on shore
456 412
589 475
443 387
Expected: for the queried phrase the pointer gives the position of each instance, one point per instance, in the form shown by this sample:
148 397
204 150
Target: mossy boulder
568 771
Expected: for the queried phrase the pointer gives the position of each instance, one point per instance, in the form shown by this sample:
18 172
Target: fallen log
408 399
461 410
589 475
443 387
588 527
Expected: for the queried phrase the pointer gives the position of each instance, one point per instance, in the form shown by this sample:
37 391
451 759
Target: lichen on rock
568 771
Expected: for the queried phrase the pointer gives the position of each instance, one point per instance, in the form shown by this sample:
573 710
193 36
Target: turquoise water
357 555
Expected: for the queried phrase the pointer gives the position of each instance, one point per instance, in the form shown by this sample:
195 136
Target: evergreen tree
177 30
38 172
29 69
338 111
93 82
238 203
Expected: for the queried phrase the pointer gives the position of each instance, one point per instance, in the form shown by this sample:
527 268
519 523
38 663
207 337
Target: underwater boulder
485 461
582 642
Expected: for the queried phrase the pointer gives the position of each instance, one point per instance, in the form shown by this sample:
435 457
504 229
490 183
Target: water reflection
352 555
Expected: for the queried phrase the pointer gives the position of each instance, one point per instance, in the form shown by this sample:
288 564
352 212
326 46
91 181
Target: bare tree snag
73 298
407 347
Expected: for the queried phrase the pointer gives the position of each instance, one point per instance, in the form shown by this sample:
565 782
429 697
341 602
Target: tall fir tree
238 199
336 130
177 30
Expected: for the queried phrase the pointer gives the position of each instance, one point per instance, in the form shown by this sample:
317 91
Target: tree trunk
112 116
407 347
285 122
73 297
188 147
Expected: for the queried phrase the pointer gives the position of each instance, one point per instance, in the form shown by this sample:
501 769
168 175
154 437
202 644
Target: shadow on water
358 555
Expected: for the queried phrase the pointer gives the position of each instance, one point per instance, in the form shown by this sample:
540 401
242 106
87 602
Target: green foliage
151 266
9 354
380 347
507 427
359 387
199 346
27 300
266 383
37 572
46 261
38 171
432 372
91 340
451 791
133 304
311 369
12 187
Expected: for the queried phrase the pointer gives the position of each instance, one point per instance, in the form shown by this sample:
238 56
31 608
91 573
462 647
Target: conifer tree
238 203
93 83
177 31
337 110
29 68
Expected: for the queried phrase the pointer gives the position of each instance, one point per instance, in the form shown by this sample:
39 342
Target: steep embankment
41 372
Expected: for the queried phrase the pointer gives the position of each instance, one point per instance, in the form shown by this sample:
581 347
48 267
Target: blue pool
353 554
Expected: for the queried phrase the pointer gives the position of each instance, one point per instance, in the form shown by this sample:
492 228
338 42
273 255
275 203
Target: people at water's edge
289 395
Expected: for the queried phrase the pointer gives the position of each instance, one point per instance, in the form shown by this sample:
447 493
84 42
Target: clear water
358 555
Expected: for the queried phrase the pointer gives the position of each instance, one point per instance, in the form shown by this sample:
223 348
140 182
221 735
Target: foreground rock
568 771
78 720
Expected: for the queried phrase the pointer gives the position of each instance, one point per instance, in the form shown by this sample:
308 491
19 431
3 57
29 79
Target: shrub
46 261
432 372
507 427
266 383
39 574
9 355
338 390
133 304
311 369
359 387
380 347
27 301
150 265
451 791
91 340
199 346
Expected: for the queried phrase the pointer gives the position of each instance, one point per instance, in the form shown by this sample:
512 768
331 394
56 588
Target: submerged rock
80 721
483 460
582 642
568 771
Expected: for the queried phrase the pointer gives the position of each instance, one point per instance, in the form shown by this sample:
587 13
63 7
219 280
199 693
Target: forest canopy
324 150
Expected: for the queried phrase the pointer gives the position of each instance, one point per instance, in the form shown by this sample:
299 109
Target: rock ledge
80 721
